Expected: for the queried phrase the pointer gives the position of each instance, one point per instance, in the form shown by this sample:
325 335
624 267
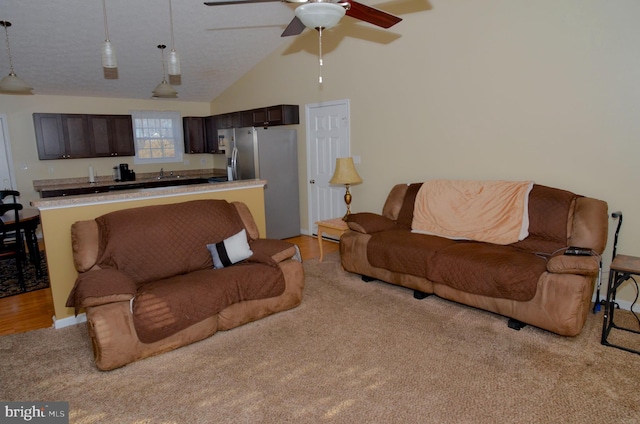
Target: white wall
498 89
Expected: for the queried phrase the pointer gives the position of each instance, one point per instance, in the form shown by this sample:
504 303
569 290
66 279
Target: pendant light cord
320 55
171 25
6 34
106 27
164 71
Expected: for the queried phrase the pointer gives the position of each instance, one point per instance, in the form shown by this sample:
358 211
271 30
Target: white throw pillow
230 251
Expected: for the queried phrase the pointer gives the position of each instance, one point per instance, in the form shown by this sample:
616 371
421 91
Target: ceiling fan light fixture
11 84
320 15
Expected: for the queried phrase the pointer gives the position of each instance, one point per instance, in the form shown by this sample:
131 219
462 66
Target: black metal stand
616 279
622 269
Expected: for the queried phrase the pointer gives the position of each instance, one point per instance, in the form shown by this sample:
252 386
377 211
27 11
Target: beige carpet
353 352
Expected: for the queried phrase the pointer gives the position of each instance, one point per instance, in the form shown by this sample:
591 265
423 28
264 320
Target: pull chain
320 55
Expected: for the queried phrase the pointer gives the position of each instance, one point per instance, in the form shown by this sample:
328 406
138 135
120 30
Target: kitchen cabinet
111 135
224 121
73 191
194 137
61 136
200 134
72 136
275 115
261 117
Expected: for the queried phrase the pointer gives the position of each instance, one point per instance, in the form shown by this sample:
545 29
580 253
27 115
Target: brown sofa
147 281
530 281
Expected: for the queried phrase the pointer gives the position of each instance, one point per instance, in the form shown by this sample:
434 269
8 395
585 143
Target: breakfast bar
57 214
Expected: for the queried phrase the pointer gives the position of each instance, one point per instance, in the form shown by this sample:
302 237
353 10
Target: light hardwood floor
34 310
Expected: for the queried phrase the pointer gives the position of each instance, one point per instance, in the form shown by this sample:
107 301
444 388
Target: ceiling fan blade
295 27
226 2
371 15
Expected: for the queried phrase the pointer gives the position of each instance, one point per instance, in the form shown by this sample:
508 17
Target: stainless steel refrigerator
269 154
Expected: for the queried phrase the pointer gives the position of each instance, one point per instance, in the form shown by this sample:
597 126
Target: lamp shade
164 91
12 84
320 15
345 172
109 55
174 63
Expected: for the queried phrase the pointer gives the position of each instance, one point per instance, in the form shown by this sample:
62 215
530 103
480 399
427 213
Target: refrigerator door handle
234 163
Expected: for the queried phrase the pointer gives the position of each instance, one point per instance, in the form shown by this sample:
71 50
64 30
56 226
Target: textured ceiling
55 44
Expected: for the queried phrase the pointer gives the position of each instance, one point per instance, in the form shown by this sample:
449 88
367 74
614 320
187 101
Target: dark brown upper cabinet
61 136
111 135
261 117
200 134
275 115
72 136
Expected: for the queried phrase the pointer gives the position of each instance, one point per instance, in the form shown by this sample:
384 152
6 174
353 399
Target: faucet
161 176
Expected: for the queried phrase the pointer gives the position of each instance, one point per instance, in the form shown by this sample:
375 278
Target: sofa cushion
164 307
230 250
403 251
155 242
488 270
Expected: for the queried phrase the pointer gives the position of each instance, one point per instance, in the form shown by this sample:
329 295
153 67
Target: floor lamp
346 174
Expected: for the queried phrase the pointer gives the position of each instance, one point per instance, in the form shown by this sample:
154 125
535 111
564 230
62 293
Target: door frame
6 146
341 102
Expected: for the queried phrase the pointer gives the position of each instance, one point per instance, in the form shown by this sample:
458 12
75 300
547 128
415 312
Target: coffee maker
123 173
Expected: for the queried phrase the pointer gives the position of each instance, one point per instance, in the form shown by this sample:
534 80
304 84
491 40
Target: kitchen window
157 137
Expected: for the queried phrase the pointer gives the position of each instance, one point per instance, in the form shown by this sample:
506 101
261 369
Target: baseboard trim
69 321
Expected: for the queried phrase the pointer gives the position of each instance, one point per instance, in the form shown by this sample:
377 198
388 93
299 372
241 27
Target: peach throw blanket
491 211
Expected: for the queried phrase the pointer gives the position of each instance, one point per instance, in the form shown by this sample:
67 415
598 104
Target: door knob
312 181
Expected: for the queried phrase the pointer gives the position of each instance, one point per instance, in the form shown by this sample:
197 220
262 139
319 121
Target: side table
333 227
622 269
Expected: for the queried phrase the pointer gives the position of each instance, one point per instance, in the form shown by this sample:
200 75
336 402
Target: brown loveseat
530 281
147 280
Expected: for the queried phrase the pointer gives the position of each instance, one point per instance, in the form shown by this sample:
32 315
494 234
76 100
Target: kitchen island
57 214
78 186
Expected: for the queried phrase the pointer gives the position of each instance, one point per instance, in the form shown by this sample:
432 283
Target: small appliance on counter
123 173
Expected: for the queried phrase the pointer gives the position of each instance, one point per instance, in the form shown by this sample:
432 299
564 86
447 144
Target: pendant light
11 84
174 59
164 90
109 62
320 16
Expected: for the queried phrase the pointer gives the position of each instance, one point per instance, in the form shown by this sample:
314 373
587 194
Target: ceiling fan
323 14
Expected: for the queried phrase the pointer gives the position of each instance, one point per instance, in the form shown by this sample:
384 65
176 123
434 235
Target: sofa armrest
567 264
85 244
590 224
369 223
100 287
276 250
247 220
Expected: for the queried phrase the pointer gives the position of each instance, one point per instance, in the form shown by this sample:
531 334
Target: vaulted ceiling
55 45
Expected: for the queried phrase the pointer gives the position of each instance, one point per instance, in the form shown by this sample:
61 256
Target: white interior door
7 178
327 139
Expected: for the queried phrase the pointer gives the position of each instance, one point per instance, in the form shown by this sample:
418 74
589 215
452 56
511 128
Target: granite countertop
141 193
107 181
